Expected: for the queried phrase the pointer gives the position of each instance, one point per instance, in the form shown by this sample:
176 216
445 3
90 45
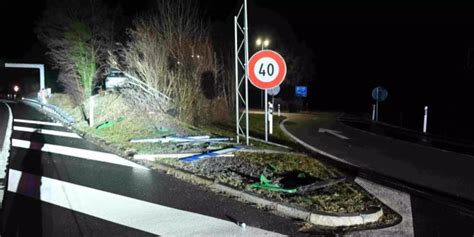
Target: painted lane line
38 122
126 211
333 132
46 131
75 152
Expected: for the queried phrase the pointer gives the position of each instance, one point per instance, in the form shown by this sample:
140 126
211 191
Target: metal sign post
379 94
266 115
241 65
378 98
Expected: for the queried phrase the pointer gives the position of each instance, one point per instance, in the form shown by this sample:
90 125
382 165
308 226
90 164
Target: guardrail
55 110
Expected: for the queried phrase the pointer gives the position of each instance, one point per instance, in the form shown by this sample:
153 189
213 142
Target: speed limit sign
267 69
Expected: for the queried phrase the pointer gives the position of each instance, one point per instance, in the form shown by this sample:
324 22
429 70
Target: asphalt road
439 172
62 185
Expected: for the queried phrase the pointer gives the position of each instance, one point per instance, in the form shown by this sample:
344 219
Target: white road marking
333 132
75 152
46 131
130 212
38 122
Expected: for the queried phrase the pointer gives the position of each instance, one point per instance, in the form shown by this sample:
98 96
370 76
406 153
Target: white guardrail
55 110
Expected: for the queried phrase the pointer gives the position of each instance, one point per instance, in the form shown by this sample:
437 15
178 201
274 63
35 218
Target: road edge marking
312 148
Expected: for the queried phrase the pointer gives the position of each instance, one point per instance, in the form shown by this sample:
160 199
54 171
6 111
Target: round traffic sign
274 91
379 94
267 69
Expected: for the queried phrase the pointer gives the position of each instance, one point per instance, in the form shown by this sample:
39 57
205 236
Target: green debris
267 184
109 123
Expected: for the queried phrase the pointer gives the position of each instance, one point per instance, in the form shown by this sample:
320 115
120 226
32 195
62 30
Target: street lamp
263 43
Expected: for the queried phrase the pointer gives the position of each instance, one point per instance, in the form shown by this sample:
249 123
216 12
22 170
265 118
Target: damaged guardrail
58 112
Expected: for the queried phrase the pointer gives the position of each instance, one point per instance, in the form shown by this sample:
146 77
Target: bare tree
170 51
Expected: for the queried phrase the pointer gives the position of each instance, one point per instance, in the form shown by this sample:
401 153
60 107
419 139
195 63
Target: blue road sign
301 91
379 94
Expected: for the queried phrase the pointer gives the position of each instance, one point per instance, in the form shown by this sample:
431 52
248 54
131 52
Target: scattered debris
267 184
209 154
173 139
173 156
109 123
319 185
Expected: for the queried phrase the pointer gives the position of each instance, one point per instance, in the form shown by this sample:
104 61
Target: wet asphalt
27 216
439 182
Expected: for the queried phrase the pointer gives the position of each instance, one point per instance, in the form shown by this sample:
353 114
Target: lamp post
264 43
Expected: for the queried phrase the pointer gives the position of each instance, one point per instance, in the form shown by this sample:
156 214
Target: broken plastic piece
109 123
267 184
209 154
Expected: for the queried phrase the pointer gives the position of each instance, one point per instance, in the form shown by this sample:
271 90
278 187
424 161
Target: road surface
62 185
439 174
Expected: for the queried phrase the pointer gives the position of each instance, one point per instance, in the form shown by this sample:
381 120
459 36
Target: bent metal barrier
58 112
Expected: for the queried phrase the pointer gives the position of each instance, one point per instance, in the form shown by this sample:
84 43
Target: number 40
270 70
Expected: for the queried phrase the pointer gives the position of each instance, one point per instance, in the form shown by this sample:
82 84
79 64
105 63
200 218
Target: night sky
421 54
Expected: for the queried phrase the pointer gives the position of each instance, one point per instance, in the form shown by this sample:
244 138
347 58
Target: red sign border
281 73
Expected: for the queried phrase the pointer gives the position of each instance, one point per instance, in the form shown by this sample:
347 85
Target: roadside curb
5 152
398 228
320 219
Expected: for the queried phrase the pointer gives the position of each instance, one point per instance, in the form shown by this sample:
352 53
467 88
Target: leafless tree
170 51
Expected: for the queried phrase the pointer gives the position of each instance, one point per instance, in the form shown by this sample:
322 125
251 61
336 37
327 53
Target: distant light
16 88
259 41
198 56
266 43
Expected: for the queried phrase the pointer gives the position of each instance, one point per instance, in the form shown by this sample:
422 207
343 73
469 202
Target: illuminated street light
266 42
16 88
263 43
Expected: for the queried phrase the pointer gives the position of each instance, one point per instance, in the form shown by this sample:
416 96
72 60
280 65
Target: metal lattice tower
241 72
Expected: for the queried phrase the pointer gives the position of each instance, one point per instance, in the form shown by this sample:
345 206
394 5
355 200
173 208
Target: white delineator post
425 120
373 112
270 118
91 112
278 110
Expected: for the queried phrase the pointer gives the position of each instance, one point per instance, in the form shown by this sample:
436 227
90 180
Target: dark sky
420 53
